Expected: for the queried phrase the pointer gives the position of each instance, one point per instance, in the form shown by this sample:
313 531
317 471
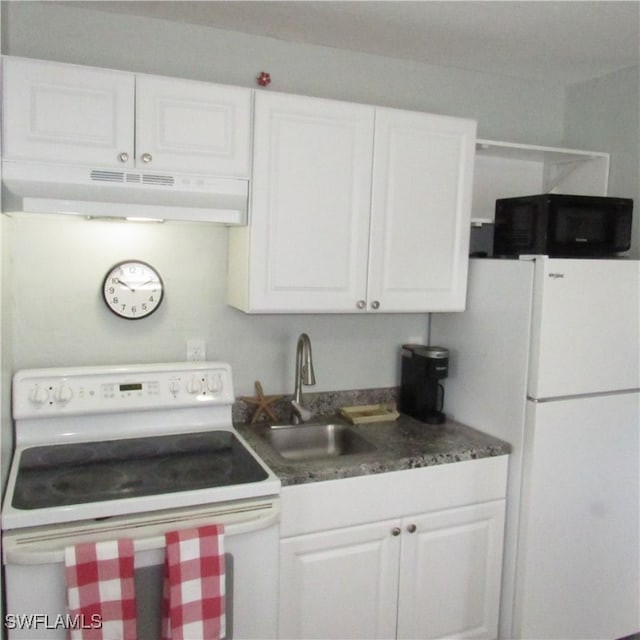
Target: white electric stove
134 450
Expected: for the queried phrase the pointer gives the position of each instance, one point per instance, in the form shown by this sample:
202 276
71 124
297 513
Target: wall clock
132 289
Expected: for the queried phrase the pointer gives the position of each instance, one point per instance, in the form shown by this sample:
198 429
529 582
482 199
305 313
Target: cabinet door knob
396 531
361 304
412 528
147 157
375 304
123 157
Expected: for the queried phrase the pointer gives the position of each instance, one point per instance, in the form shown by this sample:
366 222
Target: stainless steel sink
313 441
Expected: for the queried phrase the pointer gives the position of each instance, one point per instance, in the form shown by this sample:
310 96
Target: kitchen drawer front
319 506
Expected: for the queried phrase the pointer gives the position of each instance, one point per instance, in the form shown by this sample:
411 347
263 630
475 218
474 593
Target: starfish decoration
261 403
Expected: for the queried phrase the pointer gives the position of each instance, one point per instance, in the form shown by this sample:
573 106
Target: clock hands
124 284
128 286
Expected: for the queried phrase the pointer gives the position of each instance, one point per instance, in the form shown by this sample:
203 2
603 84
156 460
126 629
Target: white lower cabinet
450 573
340 584
431 574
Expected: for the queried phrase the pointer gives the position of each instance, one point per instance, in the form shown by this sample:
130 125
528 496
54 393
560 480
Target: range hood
128 193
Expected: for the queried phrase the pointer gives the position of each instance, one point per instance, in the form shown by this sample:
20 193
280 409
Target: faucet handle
303 414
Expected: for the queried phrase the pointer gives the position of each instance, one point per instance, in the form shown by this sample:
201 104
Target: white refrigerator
546 356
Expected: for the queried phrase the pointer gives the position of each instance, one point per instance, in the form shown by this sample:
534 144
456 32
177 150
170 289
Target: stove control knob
214 383
63 394
194 385
39 394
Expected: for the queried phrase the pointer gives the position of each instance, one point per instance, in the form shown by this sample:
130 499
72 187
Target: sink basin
313 441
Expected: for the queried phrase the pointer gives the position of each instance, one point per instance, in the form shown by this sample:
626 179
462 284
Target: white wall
605 114
59 318
506 108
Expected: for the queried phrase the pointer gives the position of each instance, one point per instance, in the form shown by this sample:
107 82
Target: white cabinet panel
192 126
348 216
67 113
450 573
310 204
433 574
423 169
340 584
77 115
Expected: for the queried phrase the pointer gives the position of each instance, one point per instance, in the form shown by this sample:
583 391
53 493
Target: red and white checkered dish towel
194 585
100 591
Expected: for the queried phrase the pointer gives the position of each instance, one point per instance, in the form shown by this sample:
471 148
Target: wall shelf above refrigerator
505 169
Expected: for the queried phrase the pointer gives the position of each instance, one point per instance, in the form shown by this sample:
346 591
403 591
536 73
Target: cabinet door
420 216
192 127
340 584
66 113
310 204
450 573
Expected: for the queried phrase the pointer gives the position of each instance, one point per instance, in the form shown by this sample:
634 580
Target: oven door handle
28 550
261 522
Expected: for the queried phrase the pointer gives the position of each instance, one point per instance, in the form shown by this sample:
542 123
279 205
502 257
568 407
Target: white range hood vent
111 193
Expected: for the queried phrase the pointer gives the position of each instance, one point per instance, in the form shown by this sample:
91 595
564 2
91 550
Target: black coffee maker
421 393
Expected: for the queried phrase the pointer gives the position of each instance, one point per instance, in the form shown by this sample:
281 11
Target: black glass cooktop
69 474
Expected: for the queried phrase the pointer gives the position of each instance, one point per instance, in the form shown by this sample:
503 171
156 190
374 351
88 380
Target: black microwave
562 226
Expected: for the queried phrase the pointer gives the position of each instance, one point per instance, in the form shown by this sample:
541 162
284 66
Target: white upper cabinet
354 209
194 127
82 115
306 246
65 113
422 176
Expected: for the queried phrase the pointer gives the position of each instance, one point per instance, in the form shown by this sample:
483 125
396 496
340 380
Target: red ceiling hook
264 79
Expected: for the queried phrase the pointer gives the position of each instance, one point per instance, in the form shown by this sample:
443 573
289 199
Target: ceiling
567 41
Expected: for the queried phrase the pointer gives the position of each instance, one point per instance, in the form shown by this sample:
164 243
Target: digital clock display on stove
133 386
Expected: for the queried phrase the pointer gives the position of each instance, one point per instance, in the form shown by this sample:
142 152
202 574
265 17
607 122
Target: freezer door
585 328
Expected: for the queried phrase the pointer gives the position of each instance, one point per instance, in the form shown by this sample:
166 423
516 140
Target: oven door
34 567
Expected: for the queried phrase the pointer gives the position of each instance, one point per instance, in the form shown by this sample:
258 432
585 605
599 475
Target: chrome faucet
304 375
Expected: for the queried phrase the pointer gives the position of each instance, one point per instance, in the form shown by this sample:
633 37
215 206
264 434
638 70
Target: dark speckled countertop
401 444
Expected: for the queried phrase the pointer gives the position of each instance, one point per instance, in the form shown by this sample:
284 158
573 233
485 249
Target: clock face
132 289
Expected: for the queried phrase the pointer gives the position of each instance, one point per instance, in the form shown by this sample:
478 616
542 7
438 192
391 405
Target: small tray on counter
369 413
